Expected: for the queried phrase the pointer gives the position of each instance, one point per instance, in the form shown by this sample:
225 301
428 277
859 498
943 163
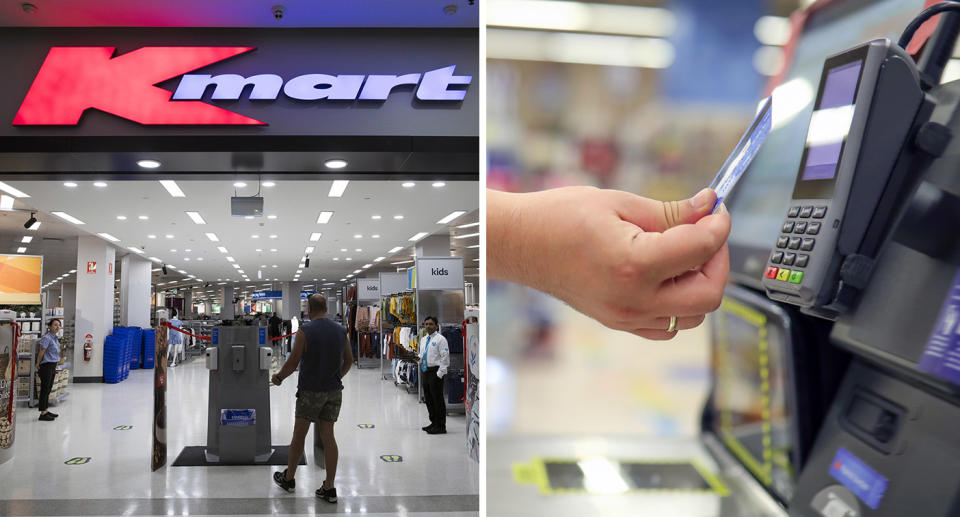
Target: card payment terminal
855 166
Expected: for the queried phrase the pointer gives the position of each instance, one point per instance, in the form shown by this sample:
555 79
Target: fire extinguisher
87 351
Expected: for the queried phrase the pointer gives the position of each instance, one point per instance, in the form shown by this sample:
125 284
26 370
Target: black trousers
433 396
46 372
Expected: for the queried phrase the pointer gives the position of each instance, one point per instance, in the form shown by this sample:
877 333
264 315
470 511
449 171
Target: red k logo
74 79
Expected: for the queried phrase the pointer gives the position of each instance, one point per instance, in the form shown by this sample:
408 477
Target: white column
433 246
291 300
226 308
188 305
135 291
94 304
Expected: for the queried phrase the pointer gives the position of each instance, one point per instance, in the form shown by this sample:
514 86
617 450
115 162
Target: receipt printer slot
238 351
873 419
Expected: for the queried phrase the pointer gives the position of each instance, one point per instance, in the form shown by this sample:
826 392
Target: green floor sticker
123 428
77 461
391 458
365 426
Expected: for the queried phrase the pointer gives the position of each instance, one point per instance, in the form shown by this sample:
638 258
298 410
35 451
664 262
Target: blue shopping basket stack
113 358
148 347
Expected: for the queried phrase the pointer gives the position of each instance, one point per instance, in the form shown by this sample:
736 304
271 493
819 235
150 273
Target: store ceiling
240 13
296 205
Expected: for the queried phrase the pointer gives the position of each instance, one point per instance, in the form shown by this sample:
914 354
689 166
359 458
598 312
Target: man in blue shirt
47 369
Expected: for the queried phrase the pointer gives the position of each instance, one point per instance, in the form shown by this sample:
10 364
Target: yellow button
783 275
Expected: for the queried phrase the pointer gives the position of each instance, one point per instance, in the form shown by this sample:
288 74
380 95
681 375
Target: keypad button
806 211
807 245
782 242
795 277
794 243
800 227
813 228
789 258
777 257
819 212
787 227
772 272
794 211
783 275
802 260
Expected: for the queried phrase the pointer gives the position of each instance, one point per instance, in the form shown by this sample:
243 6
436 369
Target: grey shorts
319 405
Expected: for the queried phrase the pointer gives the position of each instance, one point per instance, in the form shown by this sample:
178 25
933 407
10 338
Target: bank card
743 153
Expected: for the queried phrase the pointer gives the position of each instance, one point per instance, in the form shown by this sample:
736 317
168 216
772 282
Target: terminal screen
753 415
830 122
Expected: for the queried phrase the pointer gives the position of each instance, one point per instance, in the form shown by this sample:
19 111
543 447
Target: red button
772 272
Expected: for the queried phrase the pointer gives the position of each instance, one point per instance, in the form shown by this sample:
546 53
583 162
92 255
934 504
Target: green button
796 277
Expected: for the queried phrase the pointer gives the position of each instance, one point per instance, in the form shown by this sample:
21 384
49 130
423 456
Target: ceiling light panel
324 217
195 217
338 188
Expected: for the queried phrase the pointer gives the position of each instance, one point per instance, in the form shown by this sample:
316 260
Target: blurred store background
648 97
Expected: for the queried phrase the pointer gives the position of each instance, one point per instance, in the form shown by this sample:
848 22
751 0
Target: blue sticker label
942 355
263 336
856 475
238 417
216 336
738 161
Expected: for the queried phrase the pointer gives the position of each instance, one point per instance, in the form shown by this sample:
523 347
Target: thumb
659 216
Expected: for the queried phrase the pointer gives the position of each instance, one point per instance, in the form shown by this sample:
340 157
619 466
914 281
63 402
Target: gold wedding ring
673 324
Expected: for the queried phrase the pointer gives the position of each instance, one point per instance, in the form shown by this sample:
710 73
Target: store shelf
24 356
63 366
28 319
19 375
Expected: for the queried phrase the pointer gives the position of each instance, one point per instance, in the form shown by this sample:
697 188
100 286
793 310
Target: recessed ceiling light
467 236
213 237
469 225
274 265
338 188
109 237
348 258
404 262
143 217
121 218
273 236
272 216
135 249
335 163
394 250
358 250
100 184
21 249
235 266
67 217
254 236
408 184
343 249
378 259
269 184
230 259
200 259
336 258
12 191
474 246
438 184
357 236
69 184
186 259
6 203
274 250
148 164
155 259
309 249
315 236
239 184
418 236
188 250
324 217
169 236
195 217
172 188
26 239
398 217
451 216
36 226
222 249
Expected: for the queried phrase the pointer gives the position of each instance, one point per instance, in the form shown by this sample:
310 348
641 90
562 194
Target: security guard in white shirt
434 361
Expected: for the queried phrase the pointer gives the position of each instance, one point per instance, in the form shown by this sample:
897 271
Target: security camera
278 11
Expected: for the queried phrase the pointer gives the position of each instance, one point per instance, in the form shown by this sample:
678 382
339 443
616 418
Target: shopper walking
320 349
434 361
174 338
274 325
47 369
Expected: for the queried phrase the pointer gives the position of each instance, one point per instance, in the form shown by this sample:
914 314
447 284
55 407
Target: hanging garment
454 337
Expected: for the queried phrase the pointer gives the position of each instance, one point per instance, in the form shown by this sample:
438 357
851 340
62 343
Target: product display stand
368 296
391 284
440 293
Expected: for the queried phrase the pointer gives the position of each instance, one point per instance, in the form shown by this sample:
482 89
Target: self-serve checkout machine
836 394
238 409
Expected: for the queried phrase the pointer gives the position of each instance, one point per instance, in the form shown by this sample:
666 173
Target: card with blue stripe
743 153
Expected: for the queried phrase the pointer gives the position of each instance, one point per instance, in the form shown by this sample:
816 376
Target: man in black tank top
320 349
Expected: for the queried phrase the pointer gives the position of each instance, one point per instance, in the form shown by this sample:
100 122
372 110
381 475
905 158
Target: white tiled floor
435 475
